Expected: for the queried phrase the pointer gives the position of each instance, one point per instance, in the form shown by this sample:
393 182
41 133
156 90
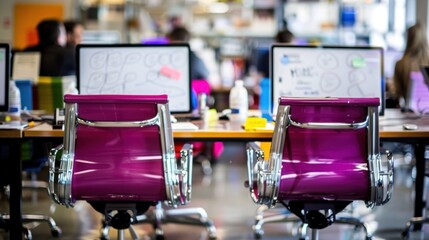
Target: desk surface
391 126
218 130
11 133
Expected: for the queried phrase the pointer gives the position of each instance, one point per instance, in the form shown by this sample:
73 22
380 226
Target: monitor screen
326 71
4 76
137 69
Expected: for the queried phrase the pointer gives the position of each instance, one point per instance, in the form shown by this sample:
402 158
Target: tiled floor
228 204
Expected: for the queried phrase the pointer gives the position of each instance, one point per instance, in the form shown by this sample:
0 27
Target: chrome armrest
60 176
53 171
381 180
388 175
329 125
185 172
254 157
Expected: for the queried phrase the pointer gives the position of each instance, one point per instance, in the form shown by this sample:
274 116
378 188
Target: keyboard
13 125
184 126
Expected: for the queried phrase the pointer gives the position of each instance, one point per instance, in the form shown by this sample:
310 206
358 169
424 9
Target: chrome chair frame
264 175
60 177
177 174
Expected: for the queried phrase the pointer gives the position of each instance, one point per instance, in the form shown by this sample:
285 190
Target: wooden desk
390 129
219 131
12 139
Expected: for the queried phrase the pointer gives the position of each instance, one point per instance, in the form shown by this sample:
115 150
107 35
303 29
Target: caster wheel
27 234
159 237
212 236
159 234
56 232
405 234
258 234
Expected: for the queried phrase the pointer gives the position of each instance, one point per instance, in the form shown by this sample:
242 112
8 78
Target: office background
220 36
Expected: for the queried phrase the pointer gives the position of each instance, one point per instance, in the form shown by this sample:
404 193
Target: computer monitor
137 69
4 76
326 71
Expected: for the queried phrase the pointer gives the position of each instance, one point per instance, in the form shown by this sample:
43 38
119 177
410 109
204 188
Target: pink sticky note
170 72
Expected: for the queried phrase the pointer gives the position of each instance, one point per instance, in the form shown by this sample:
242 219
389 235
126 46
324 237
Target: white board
137 69
326 71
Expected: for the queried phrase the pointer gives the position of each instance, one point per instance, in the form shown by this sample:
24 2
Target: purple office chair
118 155
324 155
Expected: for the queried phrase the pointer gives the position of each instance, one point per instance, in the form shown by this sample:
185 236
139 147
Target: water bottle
14 102
202 103
238 102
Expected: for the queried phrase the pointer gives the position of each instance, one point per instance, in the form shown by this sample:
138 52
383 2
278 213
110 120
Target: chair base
206 164
303 229
354 222
260 220
5 224
31 218
159 216
411 225
315 232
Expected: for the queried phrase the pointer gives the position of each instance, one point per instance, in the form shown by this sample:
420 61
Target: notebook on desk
184 126
13 125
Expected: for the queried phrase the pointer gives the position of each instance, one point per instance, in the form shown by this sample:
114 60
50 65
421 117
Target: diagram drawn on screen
137 69
310 71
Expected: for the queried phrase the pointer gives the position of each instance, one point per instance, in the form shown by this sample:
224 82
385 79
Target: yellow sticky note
255 122
212 115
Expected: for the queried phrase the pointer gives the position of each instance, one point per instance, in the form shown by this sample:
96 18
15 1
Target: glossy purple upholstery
326 164
114 163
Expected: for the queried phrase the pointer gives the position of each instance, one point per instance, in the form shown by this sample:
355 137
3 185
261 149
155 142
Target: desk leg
419 202
15 182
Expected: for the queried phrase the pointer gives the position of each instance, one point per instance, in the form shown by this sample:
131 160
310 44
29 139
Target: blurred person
263 61
55 59
198 68
416 54
202 152
262 75
74 31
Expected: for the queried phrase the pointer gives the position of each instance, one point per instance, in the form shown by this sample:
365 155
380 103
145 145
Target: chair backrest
333 157
323 149
119 148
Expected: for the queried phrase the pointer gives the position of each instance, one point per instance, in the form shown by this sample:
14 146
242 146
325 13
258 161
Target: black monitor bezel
83 46
6 46
285 45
